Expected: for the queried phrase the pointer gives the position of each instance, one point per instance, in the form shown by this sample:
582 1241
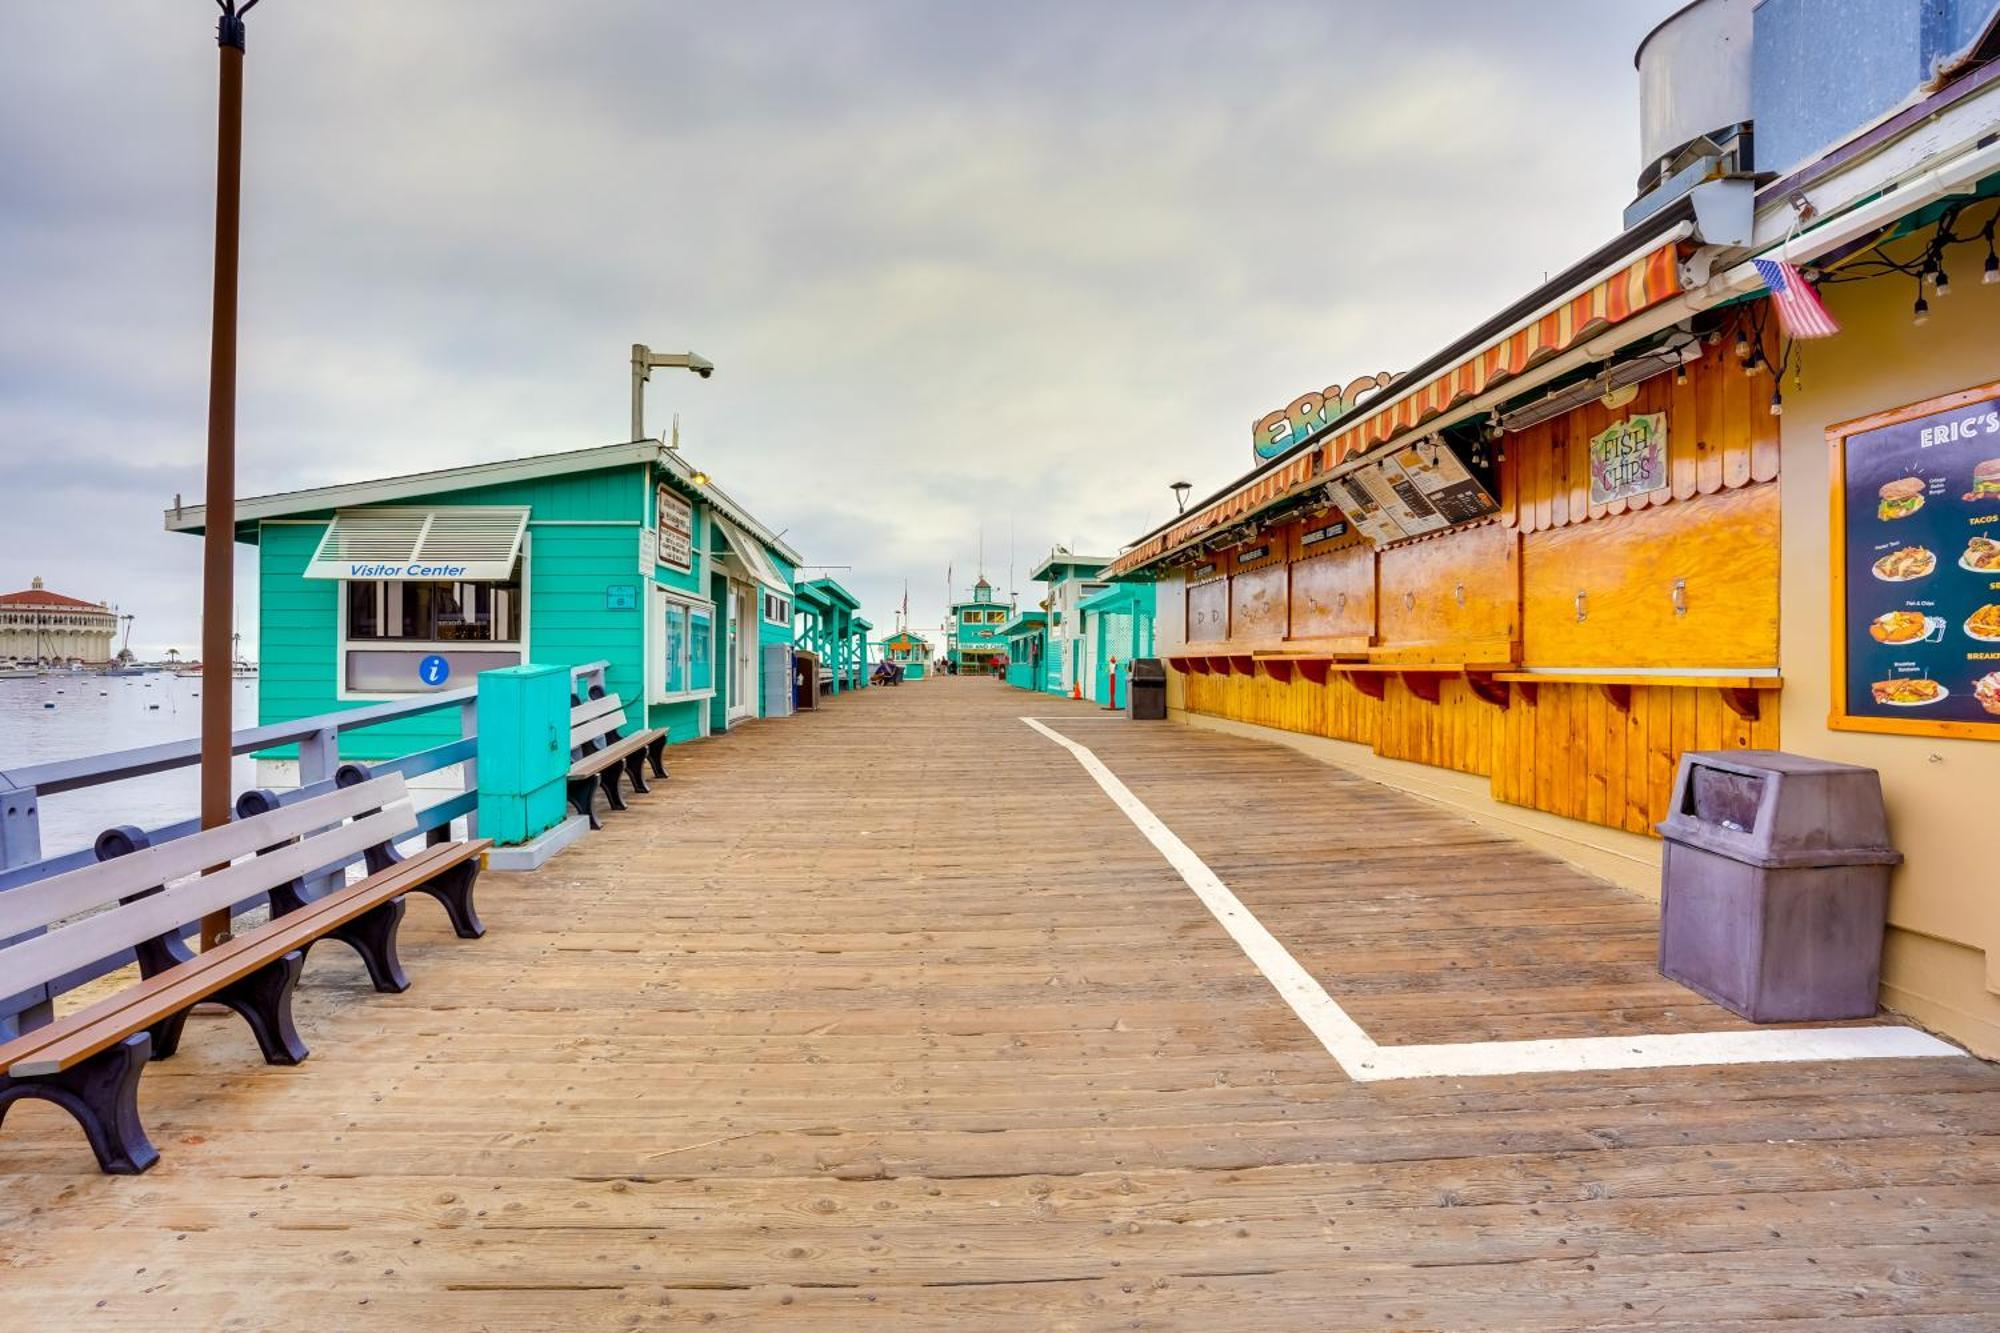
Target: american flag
1799 310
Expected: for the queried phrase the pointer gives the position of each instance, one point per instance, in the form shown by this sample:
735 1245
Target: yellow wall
1943 961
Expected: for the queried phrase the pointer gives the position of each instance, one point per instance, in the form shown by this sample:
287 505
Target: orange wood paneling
1259 604
1333 596
1451 598
1720 436
1208 611
1724 546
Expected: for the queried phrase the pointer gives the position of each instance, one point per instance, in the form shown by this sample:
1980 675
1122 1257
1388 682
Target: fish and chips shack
1731 482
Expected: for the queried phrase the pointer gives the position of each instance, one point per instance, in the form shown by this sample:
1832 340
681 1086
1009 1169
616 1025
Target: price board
1916 537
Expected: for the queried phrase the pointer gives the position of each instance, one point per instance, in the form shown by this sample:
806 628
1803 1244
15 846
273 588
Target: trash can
1146 691
1776 884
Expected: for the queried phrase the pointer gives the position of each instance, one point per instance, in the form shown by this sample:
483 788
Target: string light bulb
1680 375
1742 346
1992 273
1753 363
1920 313
1777 402
1940 281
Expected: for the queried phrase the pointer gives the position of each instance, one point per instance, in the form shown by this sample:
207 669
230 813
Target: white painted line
1365 1061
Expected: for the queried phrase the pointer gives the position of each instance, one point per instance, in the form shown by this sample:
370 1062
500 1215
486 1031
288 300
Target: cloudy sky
1013 266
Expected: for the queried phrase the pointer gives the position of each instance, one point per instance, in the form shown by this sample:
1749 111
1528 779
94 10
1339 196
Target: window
777 610
996 617
391 627
701 648
434 612
685 666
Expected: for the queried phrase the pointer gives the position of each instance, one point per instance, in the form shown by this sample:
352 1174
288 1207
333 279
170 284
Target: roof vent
1694 103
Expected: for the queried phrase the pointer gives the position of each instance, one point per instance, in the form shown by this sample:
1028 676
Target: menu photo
1921 613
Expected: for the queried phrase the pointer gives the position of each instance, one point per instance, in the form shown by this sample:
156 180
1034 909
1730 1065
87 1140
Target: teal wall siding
583 537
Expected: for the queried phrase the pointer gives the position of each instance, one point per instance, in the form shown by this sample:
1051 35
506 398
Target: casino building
37 625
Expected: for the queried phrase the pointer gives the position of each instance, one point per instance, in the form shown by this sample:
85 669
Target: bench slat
79 1036
591 708
599 760
49 956
45 901
596 727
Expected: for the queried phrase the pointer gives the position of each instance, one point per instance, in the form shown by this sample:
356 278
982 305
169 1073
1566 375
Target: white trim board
1364 1060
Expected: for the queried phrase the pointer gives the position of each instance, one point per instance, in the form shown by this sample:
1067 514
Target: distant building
975 643
911 652
1071 578
37 625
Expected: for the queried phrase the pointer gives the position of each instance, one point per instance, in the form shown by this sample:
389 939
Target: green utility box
523 751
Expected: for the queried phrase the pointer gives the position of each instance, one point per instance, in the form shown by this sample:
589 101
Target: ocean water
95 714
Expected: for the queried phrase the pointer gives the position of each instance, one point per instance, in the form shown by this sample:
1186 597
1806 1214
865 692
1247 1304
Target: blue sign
621 597
433 670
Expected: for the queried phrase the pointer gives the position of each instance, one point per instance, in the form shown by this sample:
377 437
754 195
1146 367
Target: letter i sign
433 670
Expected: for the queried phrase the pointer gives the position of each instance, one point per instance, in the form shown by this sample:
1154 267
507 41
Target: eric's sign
1277 432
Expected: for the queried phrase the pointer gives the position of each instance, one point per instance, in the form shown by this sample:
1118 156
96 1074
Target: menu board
1418 489
1919 606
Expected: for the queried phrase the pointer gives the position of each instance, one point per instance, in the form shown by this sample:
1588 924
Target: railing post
319 757
468 727
20 845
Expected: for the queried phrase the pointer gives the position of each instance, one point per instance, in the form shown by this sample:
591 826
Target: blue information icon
433 670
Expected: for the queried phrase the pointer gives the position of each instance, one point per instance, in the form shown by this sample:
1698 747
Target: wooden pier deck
886 1016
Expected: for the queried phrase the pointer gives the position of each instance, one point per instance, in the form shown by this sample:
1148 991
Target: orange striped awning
1638 286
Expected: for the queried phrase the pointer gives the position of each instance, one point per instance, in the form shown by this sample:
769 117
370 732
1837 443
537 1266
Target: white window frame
784 617
342 643
656 646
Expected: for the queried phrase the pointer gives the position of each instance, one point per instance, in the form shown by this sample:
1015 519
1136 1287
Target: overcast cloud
1017 265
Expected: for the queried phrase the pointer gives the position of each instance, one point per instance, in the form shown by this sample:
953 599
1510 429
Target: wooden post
218 564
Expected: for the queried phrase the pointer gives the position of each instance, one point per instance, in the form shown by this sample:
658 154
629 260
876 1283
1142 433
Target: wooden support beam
1486 688
1617 693
1314 670
1278 668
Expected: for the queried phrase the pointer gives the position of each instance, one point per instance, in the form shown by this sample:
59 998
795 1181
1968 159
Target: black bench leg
454 889
635 769
103 1094
655 748
264 998
608 779
373 936
166 1034
583 795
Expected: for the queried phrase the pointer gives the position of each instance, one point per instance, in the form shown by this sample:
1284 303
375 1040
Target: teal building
1117 627
974 643
911 652
624 554
829 624
1027 650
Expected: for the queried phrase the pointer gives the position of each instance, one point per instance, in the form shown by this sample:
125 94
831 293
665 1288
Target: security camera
700 365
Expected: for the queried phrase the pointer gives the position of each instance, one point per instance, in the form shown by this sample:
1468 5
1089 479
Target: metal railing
318 739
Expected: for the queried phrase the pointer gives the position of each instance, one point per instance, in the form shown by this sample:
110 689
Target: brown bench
600 754
89 1061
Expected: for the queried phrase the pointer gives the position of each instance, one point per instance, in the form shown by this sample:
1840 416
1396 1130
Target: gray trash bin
1776 884
1146 692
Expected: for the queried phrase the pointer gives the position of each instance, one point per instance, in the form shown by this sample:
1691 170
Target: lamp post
1180 490
644 361
218 539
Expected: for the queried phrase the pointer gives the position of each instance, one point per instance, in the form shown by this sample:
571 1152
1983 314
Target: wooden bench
600 754
89 1062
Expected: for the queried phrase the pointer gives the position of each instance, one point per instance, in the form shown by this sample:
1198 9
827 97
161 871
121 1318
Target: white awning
745 559
395 542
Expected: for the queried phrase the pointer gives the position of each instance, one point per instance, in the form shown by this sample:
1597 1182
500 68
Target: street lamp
1180 490
644 361
218 542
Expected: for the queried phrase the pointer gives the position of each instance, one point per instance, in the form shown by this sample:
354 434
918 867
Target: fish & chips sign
1305 416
